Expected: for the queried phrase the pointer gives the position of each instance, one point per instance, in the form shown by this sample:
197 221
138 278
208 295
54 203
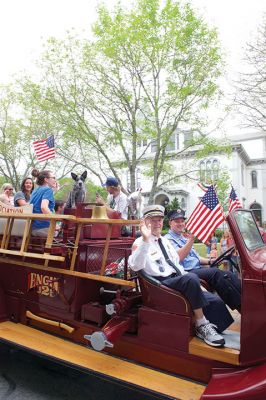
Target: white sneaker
210 335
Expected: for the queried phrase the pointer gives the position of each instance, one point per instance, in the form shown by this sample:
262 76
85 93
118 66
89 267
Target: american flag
206 217
44 149
203 187
233 201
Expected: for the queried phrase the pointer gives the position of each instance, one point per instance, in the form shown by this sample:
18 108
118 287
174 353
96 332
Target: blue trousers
225 283
213 307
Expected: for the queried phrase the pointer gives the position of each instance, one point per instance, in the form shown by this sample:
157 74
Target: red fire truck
74 300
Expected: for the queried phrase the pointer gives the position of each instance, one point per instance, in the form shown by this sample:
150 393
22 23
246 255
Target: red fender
237 384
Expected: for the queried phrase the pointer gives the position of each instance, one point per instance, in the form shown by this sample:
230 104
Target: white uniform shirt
149 256
120 204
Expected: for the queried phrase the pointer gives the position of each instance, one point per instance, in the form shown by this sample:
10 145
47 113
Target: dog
78 193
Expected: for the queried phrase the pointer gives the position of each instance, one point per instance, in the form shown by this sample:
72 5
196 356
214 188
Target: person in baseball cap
176 214
111 181
116 199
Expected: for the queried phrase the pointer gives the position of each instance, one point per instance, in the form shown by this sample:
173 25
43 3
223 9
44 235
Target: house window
202 171
209 171
183 203
188 137
242 175
171 144
215 170
254 180
142 143
177 141
138 181
153 146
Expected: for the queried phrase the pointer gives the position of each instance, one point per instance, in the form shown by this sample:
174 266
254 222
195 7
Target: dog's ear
84 175
74 176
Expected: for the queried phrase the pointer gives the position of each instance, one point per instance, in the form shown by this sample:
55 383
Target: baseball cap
111 181
175 214
154 210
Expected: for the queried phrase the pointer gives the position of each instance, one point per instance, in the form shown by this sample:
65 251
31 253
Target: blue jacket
192 259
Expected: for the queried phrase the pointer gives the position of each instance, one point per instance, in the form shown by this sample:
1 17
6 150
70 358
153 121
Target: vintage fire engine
74 300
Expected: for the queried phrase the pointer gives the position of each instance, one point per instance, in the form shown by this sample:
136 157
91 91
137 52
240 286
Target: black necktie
170 262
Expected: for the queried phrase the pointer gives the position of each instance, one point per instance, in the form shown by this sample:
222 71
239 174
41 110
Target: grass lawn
202 249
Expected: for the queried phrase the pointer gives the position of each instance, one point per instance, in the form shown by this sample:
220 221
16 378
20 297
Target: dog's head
79 180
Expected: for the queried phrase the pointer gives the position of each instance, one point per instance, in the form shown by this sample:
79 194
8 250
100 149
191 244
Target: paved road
24 376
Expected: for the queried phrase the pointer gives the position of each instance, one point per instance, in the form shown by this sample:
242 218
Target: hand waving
145 230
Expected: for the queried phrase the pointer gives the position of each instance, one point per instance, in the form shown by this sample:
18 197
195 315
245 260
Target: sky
27 24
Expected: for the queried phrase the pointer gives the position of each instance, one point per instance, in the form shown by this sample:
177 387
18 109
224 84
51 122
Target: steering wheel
226 256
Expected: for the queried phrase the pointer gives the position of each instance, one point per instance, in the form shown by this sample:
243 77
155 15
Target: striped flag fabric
44 149
206 217
234 202
202 187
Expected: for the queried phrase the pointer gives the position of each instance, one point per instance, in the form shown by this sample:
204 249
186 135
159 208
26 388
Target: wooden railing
29 218
46 256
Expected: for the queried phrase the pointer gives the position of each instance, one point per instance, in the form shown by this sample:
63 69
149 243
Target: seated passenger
116 199
22 197
42 200
225 283
158 258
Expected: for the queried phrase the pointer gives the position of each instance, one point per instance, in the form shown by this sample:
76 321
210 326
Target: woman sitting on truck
22 197
42 200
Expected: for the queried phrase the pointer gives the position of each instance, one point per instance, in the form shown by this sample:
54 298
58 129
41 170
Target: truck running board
102 365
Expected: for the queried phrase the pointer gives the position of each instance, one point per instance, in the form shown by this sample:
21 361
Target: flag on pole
206 217
203 187
44 149
234 202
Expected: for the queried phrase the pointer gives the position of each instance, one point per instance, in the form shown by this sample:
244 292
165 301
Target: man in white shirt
157 257
116 199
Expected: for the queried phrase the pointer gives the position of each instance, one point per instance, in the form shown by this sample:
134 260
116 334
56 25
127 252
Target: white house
247 175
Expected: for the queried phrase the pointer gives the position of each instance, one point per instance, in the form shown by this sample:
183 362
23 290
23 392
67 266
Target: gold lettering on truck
43 284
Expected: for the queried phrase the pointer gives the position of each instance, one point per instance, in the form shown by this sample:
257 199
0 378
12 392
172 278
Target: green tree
16 159
251 86
149 72
21 122
223 188
66 185
173 205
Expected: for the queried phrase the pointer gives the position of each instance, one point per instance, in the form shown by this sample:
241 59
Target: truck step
162 385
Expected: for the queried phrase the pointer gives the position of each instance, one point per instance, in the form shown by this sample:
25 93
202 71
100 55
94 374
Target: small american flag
206 217
44 149
233 201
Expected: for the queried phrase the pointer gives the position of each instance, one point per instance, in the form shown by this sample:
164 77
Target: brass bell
99 212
